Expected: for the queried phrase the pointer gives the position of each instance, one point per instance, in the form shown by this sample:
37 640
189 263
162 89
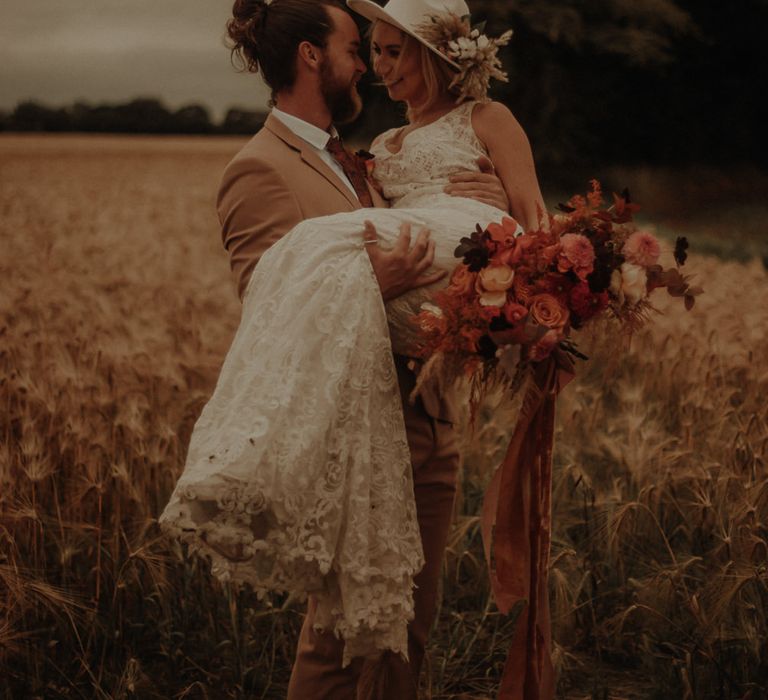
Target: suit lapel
310 157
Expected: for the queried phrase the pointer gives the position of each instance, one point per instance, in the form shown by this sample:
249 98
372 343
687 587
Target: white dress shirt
317 139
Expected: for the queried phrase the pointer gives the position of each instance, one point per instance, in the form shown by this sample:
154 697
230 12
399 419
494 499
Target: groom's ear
309 54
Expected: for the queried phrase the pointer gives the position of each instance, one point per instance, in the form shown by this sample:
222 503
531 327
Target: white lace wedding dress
298 476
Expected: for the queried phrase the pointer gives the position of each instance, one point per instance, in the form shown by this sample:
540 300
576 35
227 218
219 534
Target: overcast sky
59 51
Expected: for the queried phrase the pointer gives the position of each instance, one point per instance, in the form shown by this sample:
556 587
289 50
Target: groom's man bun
265 36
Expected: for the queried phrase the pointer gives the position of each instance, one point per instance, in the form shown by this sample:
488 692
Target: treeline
663 82
141 116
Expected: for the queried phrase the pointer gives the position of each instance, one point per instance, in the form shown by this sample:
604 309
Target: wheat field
116 309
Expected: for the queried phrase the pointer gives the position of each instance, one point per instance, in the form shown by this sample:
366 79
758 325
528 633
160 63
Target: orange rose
548 311
463 280
492 284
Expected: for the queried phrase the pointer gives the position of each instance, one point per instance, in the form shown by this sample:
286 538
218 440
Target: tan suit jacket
274 183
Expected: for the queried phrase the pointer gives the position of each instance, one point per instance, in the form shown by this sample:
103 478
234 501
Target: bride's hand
402 268
484 186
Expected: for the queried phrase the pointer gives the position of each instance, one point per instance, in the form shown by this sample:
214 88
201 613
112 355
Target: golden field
116 309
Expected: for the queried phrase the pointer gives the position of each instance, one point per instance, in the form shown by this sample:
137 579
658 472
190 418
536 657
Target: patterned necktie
352 169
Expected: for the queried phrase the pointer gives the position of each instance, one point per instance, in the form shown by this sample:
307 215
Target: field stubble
116 310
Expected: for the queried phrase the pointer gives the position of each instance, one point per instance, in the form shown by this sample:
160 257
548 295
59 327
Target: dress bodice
427 157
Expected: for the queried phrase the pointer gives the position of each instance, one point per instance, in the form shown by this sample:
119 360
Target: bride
298 476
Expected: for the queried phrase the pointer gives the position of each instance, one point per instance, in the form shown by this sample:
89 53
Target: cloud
111 50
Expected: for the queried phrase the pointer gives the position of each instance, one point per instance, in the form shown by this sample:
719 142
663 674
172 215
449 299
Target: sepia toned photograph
383 350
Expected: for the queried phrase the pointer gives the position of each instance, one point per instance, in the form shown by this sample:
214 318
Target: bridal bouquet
515 298
506 317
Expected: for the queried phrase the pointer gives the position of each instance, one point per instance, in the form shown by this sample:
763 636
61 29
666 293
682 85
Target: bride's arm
511 154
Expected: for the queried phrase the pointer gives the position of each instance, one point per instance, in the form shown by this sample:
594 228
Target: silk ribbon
516 529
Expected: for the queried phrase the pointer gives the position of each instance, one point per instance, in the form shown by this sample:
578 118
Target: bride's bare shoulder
493 121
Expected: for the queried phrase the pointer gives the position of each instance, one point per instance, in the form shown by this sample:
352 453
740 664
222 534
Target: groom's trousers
317 672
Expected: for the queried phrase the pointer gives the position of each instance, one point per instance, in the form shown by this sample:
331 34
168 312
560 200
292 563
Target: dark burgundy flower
681 250
586 304
606 261
600 279
486 348
476 250
556 284
499 323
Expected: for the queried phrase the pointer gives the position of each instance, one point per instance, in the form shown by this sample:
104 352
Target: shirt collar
310 133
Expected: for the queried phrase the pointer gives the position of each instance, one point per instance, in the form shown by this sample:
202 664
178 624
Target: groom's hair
265 36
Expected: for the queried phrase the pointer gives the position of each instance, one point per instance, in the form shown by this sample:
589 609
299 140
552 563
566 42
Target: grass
116 309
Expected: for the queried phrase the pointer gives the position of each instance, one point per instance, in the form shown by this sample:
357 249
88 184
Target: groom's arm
256 209
403 267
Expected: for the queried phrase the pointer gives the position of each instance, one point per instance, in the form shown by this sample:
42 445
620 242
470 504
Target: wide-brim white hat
407 15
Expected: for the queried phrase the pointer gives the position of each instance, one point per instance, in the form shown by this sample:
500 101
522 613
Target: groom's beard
342 99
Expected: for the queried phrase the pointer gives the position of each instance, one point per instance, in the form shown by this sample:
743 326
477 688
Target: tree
241 121
192 119
33 116
143 116
641 31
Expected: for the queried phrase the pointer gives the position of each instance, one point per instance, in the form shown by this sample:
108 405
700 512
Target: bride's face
399 70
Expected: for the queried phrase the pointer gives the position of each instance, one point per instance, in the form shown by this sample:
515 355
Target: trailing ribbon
516 528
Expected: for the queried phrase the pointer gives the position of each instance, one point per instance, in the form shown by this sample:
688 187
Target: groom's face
342 68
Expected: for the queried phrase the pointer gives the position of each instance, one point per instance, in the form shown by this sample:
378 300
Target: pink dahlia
577 254
642 248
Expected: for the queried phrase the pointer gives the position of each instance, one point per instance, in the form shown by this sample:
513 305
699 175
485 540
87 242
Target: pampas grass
116 310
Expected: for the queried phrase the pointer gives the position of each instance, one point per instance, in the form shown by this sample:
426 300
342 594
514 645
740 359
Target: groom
293 169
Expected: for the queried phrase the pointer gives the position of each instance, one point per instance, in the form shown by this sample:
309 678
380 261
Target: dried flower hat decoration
475 54
444 27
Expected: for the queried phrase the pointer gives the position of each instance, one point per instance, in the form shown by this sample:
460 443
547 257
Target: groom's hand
403 267
485 186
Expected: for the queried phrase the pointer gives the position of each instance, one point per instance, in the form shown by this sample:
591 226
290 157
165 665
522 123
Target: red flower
549 254
556 284
586 304
514 313
505 231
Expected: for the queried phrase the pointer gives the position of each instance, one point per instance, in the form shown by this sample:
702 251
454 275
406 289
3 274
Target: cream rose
432 309
630 282
492 284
